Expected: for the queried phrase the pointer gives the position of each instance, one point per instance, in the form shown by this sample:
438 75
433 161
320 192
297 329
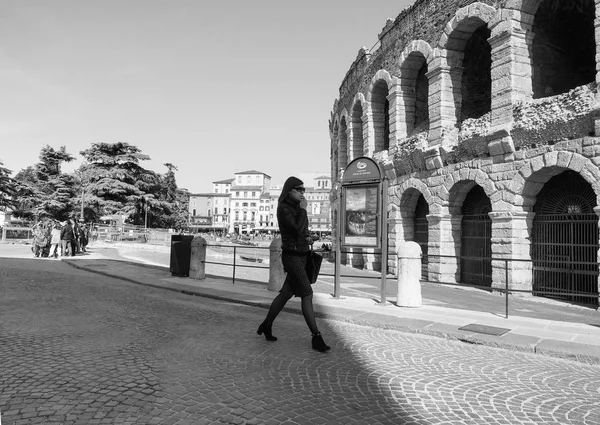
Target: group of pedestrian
52 238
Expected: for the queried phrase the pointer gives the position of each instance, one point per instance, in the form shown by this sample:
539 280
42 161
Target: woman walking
295 246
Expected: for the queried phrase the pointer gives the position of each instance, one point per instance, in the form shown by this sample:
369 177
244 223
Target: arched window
564 47
357 130
381 115
476 78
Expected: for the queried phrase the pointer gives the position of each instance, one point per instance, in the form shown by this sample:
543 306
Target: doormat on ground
483 329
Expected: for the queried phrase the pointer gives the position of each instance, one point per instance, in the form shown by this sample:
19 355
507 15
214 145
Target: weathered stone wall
483 126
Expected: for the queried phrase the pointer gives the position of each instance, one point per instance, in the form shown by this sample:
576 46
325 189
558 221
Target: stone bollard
198 258
276 272
409 274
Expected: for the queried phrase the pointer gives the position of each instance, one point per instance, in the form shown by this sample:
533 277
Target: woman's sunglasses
300 189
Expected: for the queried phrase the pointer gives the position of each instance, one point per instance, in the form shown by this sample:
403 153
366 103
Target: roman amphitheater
484 118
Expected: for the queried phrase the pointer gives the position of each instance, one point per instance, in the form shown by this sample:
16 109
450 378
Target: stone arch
378 97
359 136
465 21
532 177
458 93
464 180
408 192
413 105
343 146
384 75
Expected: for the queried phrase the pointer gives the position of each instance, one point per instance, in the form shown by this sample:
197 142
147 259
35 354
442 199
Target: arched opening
381 115
343 147
476 239
476 84
335 151
421 232
421 118
357 131
564 48
564 245
415 93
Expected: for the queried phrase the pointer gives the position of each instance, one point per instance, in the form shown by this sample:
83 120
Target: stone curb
578 352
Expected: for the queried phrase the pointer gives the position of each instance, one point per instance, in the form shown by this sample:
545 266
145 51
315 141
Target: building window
253 194
253 215
245 194
237 194
216 211
253 204
194 213
244 204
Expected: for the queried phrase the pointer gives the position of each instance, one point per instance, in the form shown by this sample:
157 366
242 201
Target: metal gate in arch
476 239
564 245
421 232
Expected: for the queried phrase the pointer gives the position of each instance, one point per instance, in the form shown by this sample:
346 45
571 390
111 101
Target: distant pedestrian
295 245
55 240
66 239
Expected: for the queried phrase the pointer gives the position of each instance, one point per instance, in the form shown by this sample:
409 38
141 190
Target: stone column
397 125
444 96
409 275
510 240
368 131
511 42
349 151
198 258
444 231
276 272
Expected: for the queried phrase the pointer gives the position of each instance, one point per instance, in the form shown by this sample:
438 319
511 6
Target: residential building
209 212
246 191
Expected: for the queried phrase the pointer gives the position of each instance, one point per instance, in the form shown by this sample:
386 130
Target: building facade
209 212
484 117
246 192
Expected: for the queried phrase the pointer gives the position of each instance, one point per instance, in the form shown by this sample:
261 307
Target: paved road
81 348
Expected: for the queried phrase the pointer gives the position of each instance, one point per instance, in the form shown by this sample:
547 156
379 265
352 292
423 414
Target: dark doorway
476 239
564 245
421 232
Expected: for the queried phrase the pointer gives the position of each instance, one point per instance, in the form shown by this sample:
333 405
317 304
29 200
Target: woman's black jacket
293 225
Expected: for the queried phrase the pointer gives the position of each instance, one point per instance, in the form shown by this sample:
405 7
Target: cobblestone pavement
78 348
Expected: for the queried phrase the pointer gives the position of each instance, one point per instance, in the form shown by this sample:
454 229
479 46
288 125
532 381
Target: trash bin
181 251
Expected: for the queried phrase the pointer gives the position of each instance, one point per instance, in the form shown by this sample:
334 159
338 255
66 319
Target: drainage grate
483 329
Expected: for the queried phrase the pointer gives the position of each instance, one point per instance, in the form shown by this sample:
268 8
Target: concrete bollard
409 275
198 258
276 272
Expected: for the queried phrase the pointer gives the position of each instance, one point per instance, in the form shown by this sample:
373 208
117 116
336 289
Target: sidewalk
556 338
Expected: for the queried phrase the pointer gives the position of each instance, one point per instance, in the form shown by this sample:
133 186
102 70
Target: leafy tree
43 191
8 188
117 181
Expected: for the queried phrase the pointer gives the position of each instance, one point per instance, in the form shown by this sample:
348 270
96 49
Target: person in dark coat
66 239
295 246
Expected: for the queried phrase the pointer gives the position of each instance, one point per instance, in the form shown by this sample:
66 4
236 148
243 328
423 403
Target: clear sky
214 87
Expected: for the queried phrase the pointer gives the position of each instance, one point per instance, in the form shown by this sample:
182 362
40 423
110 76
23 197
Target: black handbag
313 265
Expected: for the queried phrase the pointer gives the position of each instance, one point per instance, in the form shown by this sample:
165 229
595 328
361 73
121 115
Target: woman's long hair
289 184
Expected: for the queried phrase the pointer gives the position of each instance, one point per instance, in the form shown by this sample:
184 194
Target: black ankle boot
266 329
318 343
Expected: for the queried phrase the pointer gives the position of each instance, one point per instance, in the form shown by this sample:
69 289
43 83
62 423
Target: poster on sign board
360 215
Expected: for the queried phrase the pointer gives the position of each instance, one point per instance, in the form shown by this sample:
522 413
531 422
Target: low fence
17 234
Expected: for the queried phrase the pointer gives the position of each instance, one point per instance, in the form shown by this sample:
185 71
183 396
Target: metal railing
589 269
